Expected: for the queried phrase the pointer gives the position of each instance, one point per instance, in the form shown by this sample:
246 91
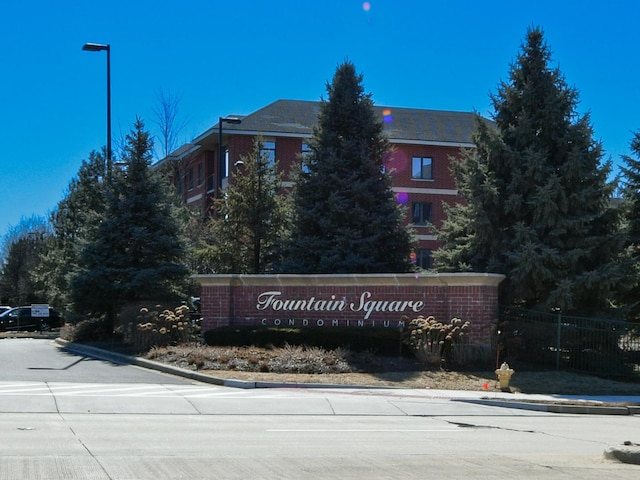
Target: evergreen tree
346 219
26 226
537 202
136 251
631 206
18 283
74 222
23 248
251 219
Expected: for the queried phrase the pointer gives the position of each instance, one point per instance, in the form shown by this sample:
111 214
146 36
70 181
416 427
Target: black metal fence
600 347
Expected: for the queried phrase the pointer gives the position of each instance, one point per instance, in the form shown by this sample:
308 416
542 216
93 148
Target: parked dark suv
19 318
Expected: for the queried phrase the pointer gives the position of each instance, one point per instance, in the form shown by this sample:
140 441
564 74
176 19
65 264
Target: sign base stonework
350 300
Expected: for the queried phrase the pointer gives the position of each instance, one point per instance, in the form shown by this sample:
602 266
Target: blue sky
233 57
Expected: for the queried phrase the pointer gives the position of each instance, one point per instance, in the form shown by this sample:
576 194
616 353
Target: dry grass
299 365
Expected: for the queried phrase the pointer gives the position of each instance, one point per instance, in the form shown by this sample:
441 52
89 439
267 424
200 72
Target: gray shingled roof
297 118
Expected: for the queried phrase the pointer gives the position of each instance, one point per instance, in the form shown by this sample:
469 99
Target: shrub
196 359
91 330
382 341
432 341
159 329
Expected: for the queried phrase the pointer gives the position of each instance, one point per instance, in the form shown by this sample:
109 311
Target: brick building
423 142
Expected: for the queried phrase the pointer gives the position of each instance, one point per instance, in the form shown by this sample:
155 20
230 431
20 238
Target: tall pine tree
346 219
630 295
537 200
251 219
74 222
137 250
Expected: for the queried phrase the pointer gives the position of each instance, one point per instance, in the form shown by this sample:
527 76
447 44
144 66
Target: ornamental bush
161 328
432 342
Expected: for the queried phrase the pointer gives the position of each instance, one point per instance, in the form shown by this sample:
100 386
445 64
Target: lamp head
233 120
94 47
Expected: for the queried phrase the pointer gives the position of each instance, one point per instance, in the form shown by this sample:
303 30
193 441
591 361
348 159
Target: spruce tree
73 221
537 202
630 294
346 219
631 190
136 251
251 220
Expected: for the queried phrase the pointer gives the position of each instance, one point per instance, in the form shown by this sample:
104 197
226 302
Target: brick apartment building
423 142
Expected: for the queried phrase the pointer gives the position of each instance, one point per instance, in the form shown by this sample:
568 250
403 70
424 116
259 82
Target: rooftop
296 118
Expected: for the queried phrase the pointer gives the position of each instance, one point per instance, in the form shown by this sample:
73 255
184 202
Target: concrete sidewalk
575 404
627 452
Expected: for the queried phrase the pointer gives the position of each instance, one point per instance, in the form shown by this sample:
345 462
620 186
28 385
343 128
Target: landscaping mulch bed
299 365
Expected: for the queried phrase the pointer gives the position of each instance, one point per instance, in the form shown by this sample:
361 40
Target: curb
628 453
140 362
190 374
624 454
556 407
181 372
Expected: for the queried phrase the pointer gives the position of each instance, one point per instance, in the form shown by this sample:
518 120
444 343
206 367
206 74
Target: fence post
558 335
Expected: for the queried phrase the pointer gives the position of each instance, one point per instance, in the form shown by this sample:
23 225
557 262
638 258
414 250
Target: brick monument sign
350 300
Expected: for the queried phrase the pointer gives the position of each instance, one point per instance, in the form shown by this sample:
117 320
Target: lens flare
397 162
402 197
366 6
386 116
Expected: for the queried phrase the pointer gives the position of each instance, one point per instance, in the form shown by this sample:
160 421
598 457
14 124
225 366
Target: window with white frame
422 168
269 150
225 163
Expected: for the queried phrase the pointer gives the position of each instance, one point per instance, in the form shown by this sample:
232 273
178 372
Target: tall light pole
221 159
98 47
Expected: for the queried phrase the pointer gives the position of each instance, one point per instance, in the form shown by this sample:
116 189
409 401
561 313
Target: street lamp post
98 47
221 120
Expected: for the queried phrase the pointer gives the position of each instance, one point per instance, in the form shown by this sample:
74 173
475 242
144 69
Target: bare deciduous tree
168 121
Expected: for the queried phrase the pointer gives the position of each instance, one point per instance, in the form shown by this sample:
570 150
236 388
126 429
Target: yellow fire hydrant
504 376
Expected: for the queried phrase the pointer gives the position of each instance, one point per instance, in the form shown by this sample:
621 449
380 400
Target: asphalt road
63 415
31 359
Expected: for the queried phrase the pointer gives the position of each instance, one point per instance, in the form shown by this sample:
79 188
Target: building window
422 168
306 152
421 213
306 149
424 258
225 165
269 150
200 174
211 183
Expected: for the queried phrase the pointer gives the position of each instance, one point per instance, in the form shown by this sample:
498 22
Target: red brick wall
350 300
398 163
288 153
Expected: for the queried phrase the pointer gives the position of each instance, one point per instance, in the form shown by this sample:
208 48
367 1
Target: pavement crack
333 410
471 425
85 447
55 399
